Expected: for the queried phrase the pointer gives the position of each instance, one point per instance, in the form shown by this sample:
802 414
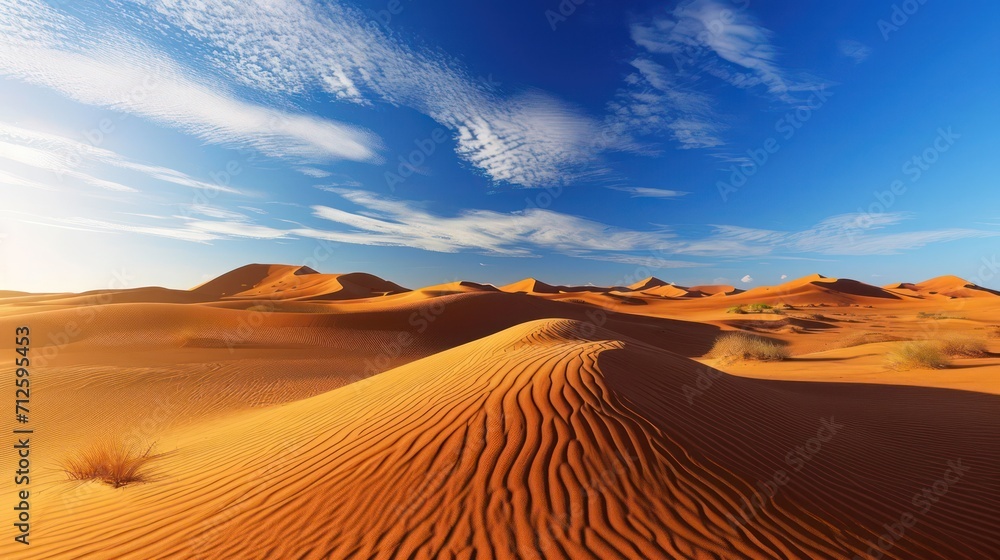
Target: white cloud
699 37
181 234
60 52
48 161
854 50
644 192
784 276
392 222
64 157
313 172
746 279
844 234
655 101
699 28
648 261
532 139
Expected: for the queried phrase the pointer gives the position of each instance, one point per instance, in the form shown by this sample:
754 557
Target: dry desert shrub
110 461
924 354
964 346
744 346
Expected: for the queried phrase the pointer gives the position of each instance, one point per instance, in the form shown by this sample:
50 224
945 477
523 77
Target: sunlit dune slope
943 286
438 323
713 290
534 286
543 442
260 281
816 289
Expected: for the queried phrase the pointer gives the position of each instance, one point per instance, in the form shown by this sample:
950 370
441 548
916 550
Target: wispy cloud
376 220
384 221
700 37
855 50
645 192
721 39
313 172
47 48
650 261
66 158
655 100
844 234
527 139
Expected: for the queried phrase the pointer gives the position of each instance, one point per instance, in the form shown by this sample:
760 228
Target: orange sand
305 415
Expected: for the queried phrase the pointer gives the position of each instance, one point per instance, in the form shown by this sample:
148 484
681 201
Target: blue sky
165 142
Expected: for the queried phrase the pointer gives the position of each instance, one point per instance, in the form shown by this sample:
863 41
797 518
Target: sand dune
666 290
458 287
819 289
713 290
263 281
943 286
306 415
537 442
646 284
533 286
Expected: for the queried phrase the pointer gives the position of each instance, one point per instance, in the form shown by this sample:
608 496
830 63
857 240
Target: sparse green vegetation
923 354
744 346
754 308
937 316
110 461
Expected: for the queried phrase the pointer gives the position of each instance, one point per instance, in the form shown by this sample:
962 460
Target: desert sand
294 414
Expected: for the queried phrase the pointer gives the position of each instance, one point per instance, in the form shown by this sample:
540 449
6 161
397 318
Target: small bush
937 316
754 308
922 354
964 346
110 461
743 346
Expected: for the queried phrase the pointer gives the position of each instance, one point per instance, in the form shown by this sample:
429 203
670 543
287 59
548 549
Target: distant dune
260 281
944 286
